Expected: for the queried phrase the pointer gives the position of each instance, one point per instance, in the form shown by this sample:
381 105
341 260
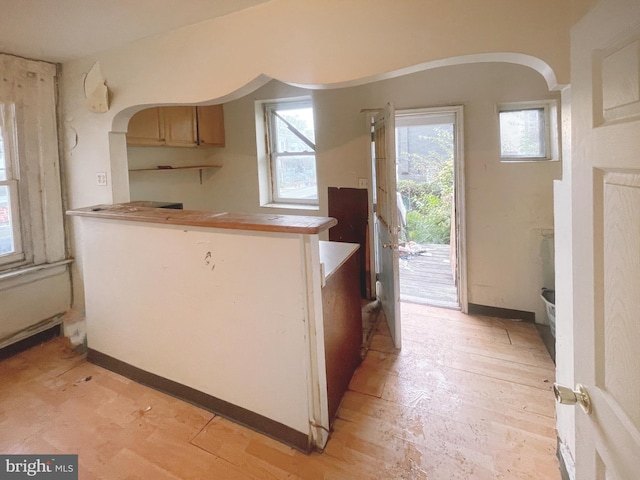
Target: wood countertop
305 225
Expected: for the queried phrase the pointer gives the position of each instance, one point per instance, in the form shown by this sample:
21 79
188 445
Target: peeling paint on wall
95 90
75 329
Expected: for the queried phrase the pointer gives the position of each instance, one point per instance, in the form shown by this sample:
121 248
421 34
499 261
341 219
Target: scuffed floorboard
466 398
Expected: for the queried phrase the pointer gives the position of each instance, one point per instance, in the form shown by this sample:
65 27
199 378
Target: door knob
390 245
567 396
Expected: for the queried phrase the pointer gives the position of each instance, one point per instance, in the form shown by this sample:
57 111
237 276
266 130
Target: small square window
528 131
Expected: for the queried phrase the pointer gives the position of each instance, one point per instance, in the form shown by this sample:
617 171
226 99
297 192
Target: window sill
291 206
32 273
528 160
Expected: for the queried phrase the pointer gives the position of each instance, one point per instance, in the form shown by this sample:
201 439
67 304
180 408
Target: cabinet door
180 126
146 128
211 126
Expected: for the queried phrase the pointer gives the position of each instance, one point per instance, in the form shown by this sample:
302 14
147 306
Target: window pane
296 177
3 162
422 149
287 140
6 231
522 133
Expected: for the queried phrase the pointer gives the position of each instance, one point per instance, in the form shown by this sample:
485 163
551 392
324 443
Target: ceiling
61 30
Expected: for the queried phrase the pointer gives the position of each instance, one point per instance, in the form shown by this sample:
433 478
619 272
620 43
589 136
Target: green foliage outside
429 206
428 197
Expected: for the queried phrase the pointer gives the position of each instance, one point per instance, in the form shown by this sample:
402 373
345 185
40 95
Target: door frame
459 195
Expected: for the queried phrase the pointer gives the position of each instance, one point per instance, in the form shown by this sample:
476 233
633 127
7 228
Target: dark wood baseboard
32 341
475 309
254 421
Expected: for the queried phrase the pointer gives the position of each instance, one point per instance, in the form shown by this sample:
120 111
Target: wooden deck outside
426 276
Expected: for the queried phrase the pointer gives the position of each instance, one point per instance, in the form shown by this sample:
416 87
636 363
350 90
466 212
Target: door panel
387 226
619 343
605 179
616 347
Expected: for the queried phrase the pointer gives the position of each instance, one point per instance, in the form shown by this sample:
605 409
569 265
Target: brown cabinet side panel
342 319
350 206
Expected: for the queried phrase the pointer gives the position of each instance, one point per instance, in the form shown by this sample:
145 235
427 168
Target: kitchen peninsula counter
138 212
250 316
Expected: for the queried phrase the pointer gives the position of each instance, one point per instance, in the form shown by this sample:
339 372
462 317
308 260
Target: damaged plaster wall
35 288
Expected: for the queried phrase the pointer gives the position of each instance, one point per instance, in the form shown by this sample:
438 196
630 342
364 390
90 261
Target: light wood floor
466 398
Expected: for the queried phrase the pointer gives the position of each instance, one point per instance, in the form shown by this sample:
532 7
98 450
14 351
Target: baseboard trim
247 418
475 309
26 343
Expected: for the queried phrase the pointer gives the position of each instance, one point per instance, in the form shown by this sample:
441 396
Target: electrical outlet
363 183
101 178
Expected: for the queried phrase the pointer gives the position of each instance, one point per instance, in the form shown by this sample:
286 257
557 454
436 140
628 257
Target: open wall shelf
168 168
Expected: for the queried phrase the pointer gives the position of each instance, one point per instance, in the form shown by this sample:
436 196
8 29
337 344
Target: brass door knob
567 396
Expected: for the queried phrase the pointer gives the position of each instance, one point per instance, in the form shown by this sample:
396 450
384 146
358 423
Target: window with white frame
528 131
11 249
31 214
291 152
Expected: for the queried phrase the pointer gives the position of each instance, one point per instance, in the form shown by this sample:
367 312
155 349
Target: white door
605 96
387 226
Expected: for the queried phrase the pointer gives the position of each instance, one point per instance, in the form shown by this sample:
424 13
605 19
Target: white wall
176 185
216 59
38 297
509 206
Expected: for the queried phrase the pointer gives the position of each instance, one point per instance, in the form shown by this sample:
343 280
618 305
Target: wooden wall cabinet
210 126
146 128
178 126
